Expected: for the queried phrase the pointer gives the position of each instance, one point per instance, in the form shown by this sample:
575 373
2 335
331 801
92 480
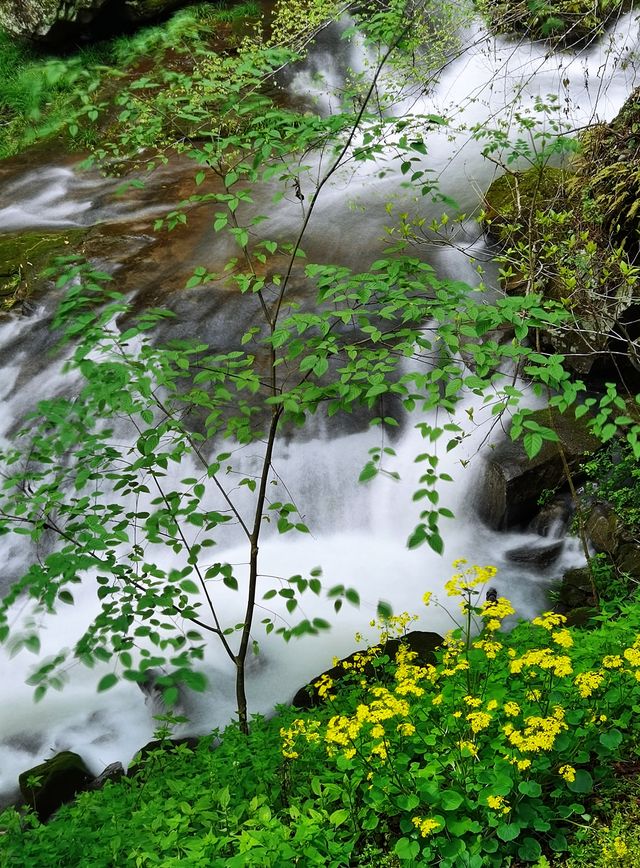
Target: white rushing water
358 532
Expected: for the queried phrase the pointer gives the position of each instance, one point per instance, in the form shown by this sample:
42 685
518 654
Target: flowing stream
359 532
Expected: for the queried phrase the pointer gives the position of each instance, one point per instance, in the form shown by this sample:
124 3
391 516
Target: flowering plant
490 751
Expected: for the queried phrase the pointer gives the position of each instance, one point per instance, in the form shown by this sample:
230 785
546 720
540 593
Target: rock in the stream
513 482
52 783
536 555
113 772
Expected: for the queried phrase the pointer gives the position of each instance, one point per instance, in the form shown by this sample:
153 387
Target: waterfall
359 532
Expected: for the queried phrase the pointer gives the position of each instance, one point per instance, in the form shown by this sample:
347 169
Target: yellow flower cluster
467 578
489 646
550 620
469 747
479 720
408 675
539 733
393 626
324 686
545 659
426 826
612 661
511 709
498 804
587 682
562 638
306 728
568 773
632 655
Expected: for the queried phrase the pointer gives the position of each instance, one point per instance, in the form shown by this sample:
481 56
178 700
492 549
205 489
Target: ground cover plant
489 757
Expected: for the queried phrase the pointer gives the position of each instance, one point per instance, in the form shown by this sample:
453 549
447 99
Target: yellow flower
472 701
426 598
437 699
479 720
562 638
462 582
492 705
549 620
498 804
568 773
406 729
468 746
511 709
633 656
587 682
425 825
612 661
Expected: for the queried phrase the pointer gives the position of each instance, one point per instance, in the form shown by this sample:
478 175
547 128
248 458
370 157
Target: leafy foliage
491 753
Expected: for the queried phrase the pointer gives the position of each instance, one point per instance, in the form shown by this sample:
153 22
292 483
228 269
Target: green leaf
337 818
406 849
508 831
611 739
530 788
107 682
450 800
530 850
583 782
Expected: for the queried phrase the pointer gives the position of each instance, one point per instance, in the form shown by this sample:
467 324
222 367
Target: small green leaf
107 682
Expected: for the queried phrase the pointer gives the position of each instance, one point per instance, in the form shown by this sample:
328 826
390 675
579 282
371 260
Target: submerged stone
24 256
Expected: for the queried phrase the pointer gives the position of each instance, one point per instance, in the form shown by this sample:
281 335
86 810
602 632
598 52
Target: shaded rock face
54 20
508 494
57 780
422 642
608 536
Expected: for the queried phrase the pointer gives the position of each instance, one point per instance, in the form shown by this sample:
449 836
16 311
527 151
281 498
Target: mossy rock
568 22
513 200
607 175
23 257
55 781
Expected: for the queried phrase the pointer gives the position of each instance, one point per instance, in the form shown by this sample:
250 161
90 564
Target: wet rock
538 556
602 528
513 482
23 257
113 772
553 519
575 590
167 744
423 643
52 783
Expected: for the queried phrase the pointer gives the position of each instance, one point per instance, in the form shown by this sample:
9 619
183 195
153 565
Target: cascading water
358 532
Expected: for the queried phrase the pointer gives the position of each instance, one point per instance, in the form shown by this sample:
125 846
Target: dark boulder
535 555
52 783
513 482
113 772
423 643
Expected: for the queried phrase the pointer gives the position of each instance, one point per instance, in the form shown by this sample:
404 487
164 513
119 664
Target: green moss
607 177
513 199
565 21
24 255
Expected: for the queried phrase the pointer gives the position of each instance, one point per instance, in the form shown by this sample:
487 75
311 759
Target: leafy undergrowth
497 755
44 95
